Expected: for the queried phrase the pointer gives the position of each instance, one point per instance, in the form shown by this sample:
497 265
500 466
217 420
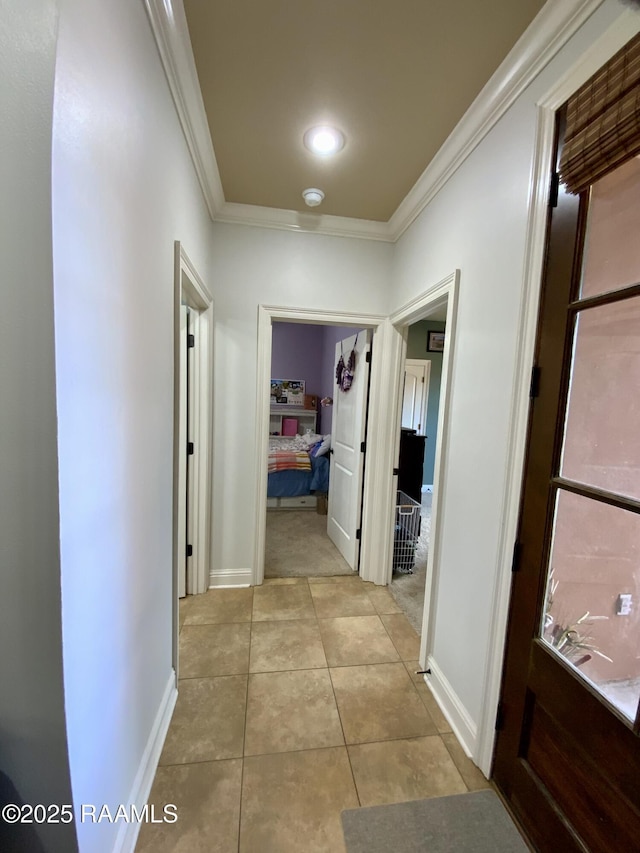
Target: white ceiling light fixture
324 140
313 196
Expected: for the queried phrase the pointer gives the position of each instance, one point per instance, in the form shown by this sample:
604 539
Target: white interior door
182 455
416 393
347 457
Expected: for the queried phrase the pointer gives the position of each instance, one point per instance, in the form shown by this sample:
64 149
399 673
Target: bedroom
303 372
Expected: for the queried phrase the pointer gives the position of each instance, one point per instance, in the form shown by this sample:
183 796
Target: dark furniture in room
410 463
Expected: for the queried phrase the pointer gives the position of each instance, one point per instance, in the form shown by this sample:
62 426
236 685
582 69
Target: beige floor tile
207 650
207 796
351 640
382 599
284 581
282 602
379 702
396 771
433 708
220 605
352 578
208 720
285 645
291 803
291 711
403 635
472 775
333 599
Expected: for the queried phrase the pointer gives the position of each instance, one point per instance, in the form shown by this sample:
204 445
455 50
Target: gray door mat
463 823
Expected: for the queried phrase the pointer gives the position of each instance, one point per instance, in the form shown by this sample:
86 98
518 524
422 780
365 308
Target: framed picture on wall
435 341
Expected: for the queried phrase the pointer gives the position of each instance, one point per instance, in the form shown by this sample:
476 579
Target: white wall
123 190
287 269
477 223
32 722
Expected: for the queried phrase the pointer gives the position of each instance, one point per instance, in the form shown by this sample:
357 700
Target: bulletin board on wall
287 392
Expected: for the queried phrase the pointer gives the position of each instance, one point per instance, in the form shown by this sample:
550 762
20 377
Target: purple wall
300 351
296 353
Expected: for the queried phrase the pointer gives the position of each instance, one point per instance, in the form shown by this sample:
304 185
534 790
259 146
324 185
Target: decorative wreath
345 372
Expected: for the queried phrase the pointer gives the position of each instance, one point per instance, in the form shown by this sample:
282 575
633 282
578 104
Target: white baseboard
231 577
457 715
128 832
427 488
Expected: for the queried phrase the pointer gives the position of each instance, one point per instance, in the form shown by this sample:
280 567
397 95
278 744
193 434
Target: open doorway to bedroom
307 484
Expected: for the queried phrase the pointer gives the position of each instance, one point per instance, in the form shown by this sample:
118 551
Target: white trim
610 42
546 35
188 286
374 538
128 832
427 487
293 220
230 578
452 707
171 33
600 52
445 291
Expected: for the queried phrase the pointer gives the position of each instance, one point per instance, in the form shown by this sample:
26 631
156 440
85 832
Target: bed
294 469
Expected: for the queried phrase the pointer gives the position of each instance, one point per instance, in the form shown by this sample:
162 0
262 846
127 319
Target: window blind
603 121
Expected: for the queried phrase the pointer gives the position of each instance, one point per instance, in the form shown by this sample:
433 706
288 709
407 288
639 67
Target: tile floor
298 699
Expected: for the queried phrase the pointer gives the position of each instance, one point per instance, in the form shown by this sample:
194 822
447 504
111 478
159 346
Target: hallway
298 699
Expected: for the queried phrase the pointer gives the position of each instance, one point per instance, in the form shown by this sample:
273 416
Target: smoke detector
313 196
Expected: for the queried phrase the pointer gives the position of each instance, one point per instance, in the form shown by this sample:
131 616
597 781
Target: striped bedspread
288 460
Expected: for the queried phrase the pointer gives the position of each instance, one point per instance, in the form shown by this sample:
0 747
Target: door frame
445 292
426 362
376 539
191 289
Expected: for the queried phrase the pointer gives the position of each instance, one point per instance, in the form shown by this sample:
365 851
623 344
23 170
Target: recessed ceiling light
313 196
324 140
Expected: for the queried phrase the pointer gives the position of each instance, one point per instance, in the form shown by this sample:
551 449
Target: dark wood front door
568 749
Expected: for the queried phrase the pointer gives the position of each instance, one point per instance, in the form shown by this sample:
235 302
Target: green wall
417 348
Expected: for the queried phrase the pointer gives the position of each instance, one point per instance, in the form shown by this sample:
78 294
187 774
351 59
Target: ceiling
395 77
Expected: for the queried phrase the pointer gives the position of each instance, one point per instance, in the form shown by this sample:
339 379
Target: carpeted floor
408 590
298 546
464 823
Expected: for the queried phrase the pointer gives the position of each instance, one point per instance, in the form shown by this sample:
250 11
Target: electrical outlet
623 604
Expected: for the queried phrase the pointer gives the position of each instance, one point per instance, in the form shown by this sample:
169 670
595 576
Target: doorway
440 301
374 537
192 450
416 459
311 519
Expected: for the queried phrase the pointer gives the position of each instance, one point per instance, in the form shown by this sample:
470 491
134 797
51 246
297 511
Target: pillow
323 447
312 439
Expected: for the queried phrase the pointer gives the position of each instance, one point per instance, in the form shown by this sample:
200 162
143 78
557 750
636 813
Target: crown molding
546 35
169 26
549 31
293 220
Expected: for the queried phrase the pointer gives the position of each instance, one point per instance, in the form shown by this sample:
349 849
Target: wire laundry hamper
407 531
